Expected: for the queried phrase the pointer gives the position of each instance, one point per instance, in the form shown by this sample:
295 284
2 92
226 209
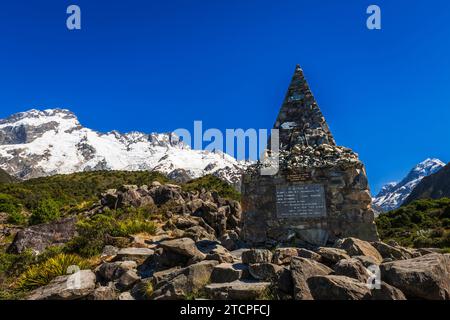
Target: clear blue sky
160 65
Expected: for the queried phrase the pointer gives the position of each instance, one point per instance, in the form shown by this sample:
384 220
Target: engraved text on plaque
301 201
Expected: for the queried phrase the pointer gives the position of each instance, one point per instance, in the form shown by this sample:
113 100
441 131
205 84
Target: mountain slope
435 186
422 223
5 177
394 194
42 143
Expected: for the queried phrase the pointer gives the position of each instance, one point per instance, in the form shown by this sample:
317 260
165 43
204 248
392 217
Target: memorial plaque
301 201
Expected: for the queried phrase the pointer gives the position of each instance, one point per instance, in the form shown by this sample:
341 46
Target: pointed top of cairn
300 120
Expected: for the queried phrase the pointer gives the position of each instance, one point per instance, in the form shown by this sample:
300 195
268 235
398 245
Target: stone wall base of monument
307 206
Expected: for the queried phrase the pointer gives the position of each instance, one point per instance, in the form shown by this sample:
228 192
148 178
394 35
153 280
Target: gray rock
126 296
366 261
40 237
352 268
387 292
110 271
256 256
390 252
238 290
131 195
127 280
230 240
308 254
165 193
185 247
70 287
109 251
357 247
134 254
332 255
301 270
220 254
425 277
237 254
179 283
198 233
108 292
333 287
227 272
265 271
284 255
285 283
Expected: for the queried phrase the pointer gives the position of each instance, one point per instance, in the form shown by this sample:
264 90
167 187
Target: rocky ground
196 253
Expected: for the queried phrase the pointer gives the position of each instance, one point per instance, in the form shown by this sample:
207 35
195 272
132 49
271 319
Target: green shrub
41 274
423 223
93 232
17 218
12 207
212 183
46 211
92 235
12 265
72 189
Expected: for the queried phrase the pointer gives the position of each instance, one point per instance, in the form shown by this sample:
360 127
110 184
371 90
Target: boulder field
197 253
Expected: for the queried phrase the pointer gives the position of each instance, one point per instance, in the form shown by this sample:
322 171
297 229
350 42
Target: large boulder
185 247
367 261
39 237
352 268
330 256
128 280
265 271
231 240
165 193
301 270
284 255
390 252
308 254
227 272
220 254
256 256
357 247
110 271
178 284
425 277
70 287
134 254
332 287
238 290
387 292
108 292
131 195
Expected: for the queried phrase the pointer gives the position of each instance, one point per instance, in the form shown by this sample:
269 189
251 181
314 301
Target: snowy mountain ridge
393 194
39 143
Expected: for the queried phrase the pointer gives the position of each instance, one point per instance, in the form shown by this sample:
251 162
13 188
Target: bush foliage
46 211
71 190
94 233
423 223
212 183
41 274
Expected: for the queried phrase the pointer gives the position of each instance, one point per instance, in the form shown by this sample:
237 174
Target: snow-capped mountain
393 194
41 143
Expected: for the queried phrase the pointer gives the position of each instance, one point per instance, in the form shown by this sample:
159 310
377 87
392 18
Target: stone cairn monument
320 193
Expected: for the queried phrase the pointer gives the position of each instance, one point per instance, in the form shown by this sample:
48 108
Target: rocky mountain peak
39 143
392 195
36 117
